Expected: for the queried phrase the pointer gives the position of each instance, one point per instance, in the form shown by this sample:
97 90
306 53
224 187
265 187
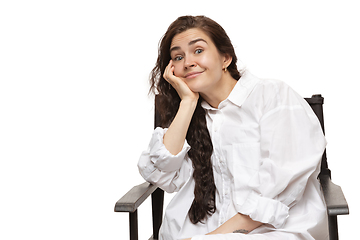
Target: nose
189 63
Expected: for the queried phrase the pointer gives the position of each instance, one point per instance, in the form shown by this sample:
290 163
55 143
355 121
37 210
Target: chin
196 87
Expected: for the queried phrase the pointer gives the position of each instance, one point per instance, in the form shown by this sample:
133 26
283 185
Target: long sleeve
159 167
280 165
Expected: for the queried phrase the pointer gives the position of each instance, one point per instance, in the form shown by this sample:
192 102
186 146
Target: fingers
170 76
169 72
178 84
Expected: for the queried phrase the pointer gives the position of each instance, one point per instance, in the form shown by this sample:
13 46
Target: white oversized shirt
267 146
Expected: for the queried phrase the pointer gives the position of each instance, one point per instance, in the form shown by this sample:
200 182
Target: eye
178 58
198 51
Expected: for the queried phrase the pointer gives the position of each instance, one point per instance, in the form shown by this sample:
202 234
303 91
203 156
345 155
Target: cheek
210 61
214 66
177 71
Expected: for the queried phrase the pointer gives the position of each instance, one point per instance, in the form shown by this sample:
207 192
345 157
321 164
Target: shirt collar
240 92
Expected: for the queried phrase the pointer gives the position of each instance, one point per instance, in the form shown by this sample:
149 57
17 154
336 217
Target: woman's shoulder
268 85
275 92
272 86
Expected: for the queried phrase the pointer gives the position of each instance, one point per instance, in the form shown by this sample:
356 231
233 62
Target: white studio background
75 115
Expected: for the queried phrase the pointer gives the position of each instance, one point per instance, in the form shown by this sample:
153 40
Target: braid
200 153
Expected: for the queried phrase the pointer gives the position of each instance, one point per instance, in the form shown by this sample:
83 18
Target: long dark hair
168 102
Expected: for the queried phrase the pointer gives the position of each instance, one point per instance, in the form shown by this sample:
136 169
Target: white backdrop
75 115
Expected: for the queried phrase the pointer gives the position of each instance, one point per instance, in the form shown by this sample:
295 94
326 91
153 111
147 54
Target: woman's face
197 61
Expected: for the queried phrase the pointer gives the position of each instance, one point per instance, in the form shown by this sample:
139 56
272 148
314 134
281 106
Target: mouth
193 74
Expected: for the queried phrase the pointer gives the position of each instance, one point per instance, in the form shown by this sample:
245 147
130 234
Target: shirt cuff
265 210
161 157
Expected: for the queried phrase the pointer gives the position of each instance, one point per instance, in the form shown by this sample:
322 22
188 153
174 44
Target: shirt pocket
244 163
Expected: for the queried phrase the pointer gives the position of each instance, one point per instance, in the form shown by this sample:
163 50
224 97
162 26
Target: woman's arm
176 134
164 163
237 224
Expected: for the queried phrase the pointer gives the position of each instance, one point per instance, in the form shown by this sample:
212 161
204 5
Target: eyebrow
190 43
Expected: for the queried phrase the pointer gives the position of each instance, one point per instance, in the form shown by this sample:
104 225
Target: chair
335 201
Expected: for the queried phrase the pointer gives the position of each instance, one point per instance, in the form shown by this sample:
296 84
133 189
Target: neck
220 91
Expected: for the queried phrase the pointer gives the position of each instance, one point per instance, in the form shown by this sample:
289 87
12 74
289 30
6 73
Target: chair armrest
334 198
134 198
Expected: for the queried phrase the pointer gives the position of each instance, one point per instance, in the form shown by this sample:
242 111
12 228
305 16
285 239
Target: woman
243 153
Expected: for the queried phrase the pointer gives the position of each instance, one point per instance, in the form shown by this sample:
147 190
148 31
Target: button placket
218 120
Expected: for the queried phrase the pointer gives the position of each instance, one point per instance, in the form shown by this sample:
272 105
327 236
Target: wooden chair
335 201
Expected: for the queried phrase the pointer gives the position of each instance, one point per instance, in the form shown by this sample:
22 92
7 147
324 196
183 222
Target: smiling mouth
193 74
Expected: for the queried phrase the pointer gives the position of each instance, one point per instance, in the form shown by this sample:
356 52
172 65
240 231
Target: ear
227 60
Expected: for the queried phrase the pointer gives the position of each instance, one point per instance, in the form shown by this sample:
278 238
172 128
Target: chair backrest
157 119
316 103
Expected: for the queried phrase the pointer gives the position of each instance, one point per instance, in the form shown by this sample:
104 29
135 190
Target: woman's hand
239 223
180 85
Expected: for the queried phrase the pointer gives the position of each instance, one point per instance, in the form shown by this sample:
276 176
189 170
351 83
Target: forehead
182 39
